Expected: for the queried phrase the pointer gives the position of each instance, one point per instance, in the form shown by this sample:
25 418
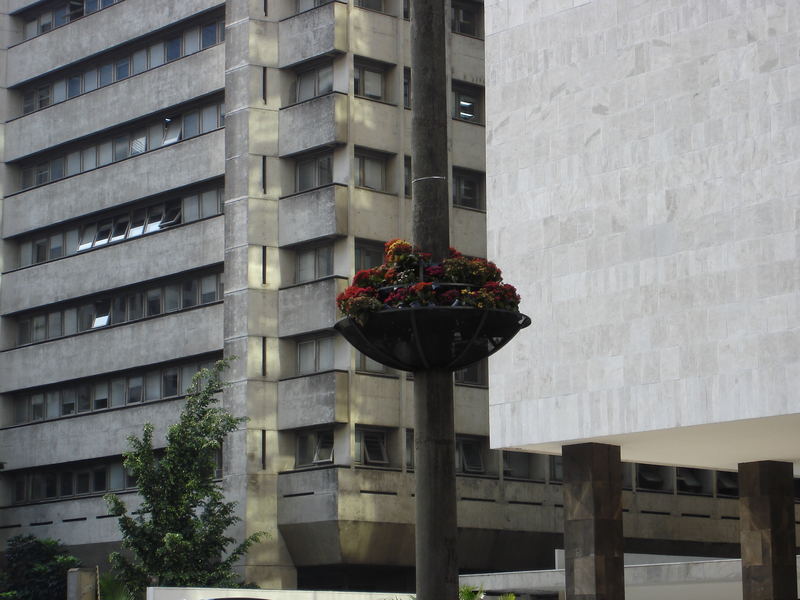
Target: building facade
200 179
647 153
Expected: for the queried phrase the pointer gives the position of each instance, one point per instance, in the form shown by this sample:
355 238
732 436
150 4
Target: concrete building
647 153
201 178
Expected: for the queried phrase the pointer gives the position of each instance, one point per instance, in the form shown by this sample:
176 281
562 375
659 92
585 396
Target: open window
654 478
314 447
469 455
370 447
727 484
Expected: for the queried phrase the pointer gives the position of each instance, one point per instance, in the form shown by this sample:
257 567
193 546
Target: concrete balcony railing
312 215
375 35
66 439
133 98
469 145
467 226
376 125
319 399
94 34
313 33
321 121
149 341
374 215
309 306
167 168
201 244
467 63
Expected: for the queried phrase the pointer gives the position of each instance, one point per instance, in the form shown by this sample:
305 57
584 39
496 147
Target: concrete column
767 531
593 545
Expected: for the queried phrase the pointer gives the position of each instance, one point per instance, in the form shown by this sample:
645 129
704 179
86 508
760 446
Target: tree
177 536
35 568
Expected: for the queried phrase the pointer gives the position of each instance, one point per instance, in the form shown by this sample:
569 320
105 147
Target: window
369 81
314 447
314 263
409 449
406 9
365 363
147 136
60 15
693 481
407 176
466 18
468 103
304 5
654 478
314 82
556 469
314 172
407 87
517 465
370 4
67 481
370 171
469 455
468 189
727 484
314 355
475 374
370 447
368 255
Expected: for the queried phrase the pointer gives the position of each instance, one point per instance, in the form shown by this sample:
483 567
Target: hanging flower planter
413 315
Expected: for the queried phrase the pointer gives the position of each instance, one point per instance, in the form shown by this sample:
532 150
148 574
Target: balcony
154 340
376 125
133 98
374 215
467 59
141 176
94 34
468 227
375 35
83 437
317 122
200 244
319 399
313 215
313 33
309 307
469 145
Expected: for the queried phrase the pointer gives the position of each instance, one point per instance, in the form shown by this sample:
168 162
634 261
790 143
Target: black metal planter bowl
432 337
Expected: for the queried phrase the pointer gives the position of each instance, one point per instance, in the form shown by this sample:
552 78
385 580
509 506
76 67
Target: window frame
478 179
368 442
361 69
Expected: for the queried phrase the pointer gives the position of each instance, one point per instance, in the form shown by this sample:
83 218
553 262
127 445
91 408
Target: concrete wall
311 215
642 182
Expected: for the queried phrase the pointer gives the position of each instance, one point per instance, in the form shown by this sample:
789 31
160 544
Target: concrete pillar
593 545
767 531
81 584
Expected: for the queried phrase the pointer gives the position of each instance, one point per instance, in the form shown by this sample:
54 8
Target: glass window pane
70 321
139 142
87 237
169 382
90 6
42 173
85 317
24 332
187 372
153 385
21 411
71 238
373 84
173 131
139 61
191 124
90 80
137 223
306 171
105 75
102 313
73 86
54 324
191 41
89 159
68 402
122 68
191 209
45 22
325 348
153 302
116 477
209 118
31 29
121 147
305 266
83 396
75 9
39 328
37 407
117 392
208 36
103 233
210 203
135 389
156 54
53 404
104 153
154 216
59 91
135 306
25 254
99 480
305 357
306 85
325 80
173 49
101 395
208 289
118 312
155 136
40 250
82 483
60 16
120 228
172 214
73 163
56 169
189 293
172 297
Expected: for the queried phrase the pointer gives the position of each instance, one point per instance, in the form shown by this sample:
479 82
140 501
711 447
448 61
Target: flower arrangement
407 278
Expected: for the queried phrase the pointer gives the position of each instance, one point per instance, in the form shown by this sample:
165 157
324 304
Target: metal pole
436 526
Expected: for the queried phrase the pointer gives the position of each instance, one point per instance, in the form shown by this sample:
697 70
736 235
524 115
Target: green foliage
112 588
35 569
508 596
467 592
177 536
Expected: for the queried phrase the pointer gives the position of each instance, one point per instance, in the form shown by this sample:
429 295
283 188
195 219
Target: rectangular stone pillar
593 545
766 534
